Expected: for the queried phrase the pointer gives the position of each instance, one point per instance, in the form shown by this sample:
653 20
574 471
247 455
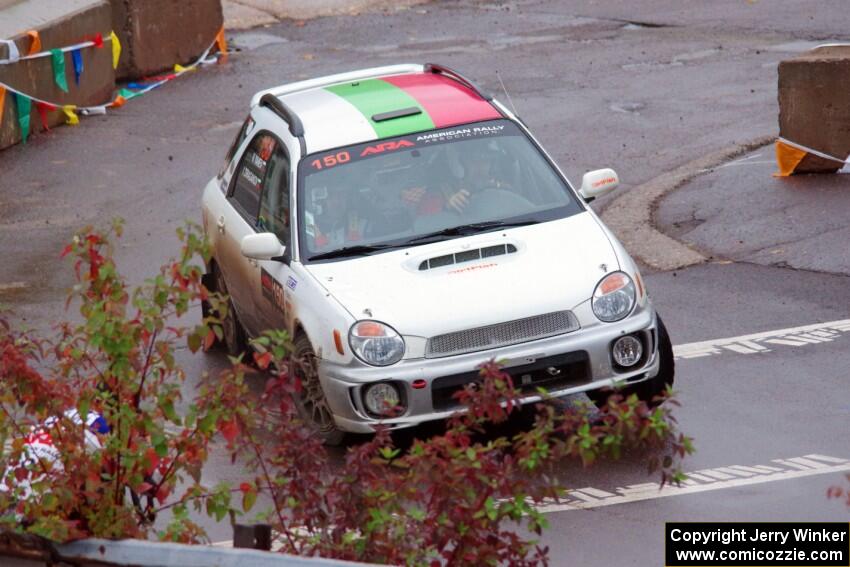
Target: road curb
630 216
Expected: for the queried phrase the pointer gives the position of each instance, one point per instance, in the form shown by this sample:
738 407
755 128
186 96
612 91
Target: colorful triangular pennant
71 117
221 42
59 69
24 106
77 58
43 108
35 42
116 49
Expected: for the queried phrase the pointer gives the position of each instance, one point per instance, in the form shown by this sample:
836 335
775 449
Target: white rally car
404 228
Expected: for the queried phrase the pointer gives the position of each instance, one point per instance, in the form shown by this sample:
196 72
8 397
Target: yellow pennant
116 49
35 44
788 158
2 102
71 117
180 68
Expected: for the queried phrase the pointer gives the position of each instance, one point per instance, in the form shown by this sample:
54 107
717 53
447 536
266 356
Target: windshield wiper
358 250
467 229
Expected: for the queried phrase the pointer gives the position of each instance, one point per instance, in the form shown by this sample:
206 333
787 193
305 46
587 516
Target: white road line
627 496
590 497
787 342
735 471
713 473
592 492
754 343
826 459
807 462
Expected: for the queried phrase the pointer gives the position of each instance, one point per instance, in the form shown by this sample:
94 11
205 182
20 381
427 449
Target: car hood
555 266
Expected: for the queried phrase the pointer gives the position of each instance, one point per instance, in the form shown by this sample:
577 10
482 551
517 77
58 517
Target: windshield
418 188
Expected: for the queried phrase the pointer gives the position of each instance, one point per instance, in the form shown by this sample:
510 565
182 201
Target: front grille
552 373
502 334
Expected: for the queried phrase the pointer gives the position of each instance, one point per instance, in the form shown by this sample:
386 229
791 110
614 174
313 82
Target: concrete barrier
814 105
156 34
60 23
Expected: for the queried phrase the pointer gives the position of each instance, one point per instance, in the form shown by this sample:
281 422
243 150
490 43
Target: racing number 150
331 160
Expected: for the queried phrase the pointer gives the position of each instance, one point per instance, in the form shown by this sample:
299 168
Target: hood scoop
467 256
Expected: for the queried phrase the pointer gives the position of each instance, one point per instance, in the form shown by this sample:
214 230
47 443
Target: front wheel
234 342
648 390
311 403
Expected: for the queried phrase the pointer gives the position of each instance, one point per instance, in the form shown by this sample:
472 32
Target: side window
248 182
240 137
274 203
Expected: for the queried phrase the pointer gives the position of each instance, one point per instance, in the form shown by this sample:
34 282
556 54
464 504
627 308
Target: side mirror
263 246
597 183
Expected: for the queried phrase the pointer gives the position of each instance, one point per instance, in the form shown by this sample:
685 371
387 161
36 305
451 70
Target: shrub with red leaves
69 482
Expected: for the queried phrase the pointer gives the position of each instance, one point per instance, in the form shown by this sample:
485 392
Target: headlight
375 343
613 297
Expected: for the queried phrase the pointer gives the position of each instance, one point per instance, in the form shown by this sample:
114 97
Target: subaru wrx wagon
404 228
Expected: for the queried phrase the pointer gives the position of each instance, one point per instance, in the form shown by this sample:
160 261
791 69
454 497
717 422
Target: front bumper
587 348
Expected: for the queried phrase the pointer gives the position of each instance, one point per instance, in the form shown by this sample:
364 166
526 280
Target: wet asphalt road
642 87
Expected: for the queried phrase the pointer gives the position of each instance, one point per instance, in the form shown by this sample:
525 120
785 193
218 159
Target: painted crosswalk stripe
637 493
595 492
808 462
735 472
826 459
757 343
714 473
758 469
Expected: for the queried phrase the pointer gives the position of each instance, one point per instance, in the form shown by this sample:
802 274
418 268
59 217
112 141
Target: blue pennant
78 65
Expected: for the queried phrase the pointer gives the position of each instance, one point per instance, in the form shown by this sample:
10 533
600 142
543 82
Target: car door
239 220
276 277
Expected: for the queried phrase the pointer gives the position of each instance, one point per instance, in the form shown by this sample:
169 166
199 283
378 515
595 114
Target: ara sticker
272 290
291 283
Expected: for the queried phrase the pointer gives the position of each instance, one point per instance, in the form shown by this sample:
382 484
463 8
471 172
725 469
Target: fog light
381 398
627 351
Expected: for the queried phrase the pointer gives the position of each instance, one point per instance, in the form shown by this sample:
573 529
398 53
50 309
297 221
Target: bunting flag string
24 101
15 56
789 155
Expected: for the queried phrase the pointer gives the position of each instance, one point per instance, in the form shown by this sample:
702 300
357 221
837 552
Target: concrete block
814 105
60 23
156 34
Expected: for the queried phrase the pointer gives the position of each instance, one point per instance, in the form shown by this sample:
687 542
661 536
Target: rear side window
248 182
240 137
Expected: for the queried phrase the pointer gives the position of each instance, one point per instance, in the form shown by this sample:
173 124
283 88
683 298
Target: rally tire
311 403
234 340
648 390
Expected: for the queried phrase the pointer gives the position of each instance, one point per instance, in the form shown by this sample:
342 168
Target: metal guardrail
137 553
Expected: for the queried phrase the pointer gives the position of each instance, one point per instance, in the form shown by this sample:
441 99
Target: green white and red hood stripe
341 114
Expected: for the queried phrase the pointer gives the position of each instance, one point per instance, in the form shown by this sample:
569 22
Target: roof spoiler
296 127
